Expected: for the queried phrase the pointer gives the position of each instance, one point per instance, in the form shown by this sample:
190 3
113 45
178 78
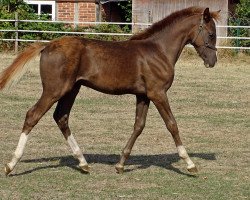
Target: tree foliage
241 18
126 7
243 10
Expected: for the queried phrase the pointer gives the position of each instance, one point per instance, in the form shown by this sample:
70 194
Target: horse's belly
113 84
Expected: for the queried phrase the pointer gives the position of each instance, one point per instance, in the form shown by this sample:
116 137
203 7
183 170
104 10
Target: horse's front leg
161 102
142 104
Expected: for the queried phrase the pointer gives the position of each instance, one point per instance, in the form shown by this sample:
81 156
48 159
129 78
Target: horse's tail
17 69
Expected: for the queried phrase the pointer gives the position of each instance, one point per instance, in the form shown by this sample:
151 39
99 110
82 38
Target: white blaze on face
76 150
19 150
183 154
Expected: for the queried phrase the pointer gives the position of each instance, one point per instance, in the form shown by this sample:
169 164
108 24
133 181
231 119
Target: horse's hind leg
61 116
32 117
142 104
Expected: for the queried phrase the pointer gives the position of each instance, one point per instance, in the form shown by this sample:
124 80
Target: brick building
78 10
71 10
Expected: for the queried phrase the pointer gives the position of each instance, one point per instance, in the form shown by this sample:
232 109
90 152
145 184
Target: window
43 7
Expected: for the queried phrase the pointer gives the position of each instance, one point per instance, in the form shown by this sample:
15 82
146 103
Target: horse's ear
206 15
217 12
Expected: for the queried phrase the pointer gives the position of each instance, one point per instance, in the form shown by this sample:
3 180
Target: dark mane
167 21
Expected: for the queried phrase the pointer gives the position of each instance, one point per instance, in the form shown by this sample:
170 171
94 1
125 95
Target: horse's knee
138 127
172 126
62 121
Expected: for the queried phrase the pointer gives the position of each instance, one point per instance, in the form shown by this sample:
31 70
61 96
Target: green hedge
25 12
241 18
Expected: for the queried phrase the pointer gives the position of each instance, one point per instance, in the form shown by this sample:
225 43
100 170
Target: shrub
25 12
241 18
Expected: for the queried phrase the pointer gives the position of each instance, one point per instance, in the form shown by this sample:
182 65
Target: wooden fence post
16 27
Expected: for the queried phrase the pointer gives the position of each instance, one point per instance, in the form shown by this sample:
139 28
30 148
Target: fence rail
16 30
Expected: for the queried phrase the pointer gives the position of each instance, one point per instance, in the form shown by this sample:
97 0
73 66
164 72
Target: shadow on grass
142 161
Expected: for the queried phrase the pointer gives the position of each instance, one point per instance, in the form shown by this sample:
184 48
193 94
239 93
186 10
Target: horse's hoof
193 169
7 170
119 168
85 169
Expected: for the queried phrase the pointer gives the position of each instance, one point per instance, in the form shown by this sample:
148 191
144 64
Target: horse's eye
211 35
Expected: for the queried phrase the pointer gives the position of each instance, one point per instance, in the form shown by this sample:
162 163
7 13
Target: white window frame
39 3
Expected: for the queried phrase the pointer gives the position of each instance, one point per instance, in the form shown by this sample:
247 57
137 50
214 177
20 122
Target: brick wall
65 11
68 11
87 12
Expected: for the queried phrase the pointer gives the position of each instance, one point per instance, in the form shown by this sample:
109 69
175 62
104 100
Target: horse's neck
173 39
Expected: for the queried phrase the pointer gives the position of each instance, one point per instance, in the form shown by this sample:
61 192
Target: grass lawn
211 106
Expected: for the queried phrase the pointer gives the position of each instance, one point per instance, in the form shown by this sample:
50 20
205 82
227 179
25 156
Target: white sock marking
183 154
19 150
76 150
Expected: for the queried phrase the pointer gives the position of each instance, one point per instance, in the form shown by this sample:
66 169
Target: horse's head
203 38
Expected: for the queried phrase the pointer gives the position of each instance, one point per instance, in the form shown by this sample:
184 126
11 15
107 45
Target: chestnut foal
143 66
